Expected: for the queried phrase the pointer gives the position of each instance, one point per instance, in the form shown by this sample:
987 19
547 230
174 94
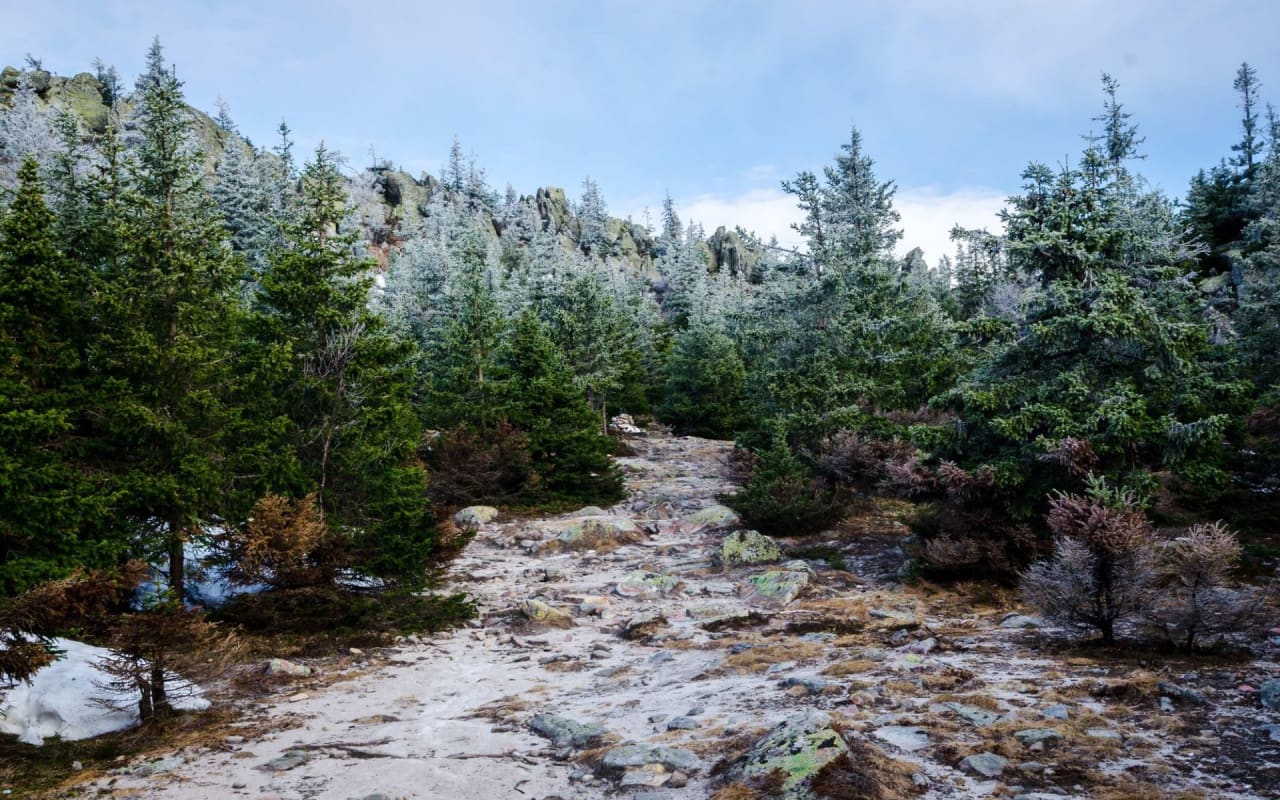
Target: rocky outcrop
730 252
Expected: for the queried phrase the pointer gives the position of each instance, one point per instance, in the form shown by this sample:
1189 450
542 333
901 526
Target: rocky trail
655 650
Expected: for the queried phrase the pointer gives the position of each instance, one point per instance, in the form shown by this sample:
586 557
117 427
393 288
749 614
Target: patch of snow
66 699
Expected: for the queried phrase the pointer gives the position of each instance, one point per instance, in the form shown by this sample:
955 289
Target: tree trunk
159 697
177 562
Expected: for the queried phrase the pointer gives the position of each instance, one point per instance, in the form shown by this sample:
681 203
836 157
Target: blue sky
712 101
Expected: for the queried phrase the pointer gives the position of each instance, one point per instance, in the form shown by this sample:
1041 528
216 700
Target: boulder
642 626
777 587
540 613
641 584
904 737
475 516
279 666
988 765
797 749
565 732
746 547
599 533
619 759
1269 694
714 517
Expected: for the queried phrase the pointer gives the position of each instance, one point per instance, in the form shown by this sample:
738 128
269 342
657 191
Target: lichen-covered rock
565 732
798 749
643 584
540 613
777 587
475 516
589 511
599 533
714 517
746 547
628 756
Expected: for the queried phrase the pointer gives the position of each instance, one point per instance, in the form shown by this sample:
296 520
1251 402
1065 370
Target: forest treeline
279 363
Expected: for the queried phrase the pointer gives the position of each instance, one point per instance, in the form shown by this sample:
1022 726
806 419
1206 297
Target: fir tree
53 499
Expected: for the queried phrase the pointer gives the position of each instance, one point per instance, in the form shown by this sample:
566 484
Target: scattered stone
1036 735
780 667
539 612
895 620
1182 693
988 765
642 626
590 511
1056 711
652 776
565 732
299 697
683 724
593 606
1166 705
978 717
234 740
1015 621
290 760
77 766
797 748
695 711
777 587
714 517
1103 733
719 587
624 424
904 737
158 766
921 648
600 533
1272 731
810 685
239 785
634 755
475 516
641 584
744 548
679 780
1269 693
279 666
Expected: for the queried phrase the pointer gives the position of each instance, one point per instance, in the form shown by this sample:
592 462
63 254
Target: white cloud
928 214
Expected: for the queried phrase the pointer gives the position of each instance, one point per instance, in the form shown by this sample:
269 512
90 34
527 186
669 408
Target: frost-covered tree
26 130
243 200
593 221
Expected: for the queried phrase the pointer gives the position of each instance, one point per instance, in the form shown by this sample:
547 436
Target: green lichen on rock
600 533
775 587
798 749
746 547
646 584
714 516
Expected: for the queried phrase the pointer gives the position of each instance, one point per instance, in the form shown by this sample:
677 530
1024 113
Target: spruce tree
53 500
167 316
343 385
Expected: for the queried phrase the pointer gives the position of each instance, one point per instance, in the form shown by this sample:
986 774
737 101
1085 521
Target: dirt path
615 654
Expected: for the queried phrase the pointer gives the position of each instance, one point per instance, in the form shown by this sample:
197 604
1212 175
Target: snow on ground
70 699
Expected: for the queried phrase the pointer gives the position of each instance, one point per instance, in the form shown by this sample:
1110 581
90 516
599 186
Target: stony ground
629 651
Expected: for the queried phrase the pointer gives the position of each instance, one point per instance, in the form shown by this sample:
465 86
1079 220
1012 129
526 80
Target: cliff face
405 196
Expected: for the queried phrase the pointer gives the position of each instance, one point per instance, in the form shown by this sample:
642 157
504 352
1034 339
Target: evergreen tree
345 385
53 499
167 314
569 452
593 221
704 389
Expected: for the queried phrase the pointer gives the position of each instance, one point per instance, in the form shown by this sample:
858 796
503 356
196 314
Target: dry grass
759 659
856 666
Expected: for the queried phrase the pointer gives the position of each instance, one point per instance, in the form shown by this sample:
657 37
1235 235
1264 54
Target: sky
713 102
